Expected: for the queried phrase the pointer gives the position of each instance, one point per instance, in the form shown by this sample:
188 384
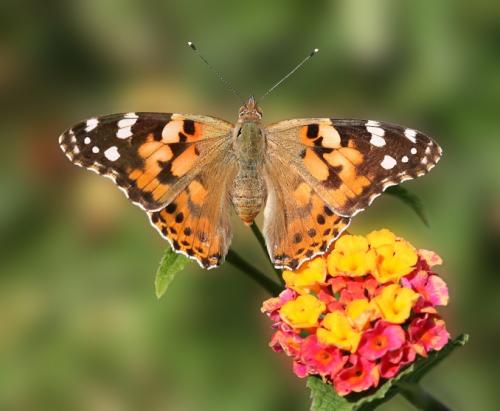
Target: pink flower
430 257
326 360
431 287
287 342
338 283
331 302
359 376
384 337
394 360
299 369
271 306
428 333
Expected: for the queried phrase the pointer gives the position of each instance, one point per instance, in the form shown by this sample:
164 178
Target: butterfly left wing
175 166
150 156
349 163
196 222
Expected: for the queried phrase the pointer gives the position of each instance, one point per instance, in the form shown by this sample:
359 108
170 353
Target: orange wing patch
185 161
315 165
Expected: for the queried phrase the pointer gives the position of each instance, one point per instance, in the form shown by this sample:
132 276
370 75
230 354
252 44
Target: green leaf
170 264
324 398
411 200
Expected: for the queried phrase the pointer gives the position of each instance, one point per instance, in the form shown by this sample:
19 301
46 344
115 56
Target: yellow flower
349 244
360 312
394 261
350 257
395 303
337 330
307 276
303 312
380 238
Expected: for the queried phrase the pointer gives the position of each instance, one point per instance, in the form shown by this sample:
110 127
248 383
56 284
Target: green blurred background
80 327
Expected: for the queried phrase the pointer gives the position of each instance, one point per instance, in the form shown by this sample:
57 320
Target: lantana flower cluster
360 313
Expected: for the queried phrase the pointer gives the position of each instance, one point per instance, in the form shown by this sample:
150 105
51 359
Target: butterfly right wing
298 224
322 171
351 162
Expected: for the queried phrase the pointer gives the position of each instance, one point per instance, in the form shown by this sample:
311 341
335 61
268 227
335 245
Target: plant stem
420 398
237 261
262 242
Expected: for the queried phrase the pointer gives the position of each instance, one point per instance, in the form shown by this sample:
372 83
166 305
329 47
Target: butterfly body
309 176
248 192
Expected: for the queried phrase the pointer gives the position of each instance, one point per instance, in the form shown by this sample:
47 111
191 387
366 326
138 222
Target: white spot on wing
127 122
404 159
95 149
377 141
372 123
376 131
124 132
112 153
87 140
388 162
91 124
411 135
413 150
125 125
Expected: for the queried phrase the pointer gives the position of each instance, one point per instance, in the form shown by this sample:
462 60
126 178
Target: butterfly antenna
311 54
218 74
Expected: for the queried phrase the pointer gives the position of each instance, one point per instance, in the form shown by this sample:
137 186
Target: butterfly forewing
348 163
151 156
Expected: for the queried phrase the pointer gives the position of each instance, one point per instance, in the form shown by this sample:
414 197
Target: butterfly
309 176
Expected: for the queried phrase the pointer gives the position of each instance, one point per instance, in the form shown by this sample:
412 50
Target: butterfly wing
162 162
351 162
334 167
151 156
298 224
196 222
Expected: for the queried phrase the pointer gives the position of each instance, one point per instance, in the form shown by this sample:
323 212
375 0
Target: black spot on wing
312 131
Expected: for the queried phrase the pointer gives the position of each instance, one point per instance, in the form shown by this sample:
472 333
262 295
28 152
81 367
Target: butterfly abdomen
248 191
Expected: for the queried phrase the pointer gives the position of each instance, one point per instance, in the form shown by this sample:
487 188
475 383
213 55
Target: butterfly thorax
248 190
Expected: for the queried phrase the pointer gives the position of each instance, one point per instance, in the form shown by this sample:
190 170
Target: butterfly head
250 111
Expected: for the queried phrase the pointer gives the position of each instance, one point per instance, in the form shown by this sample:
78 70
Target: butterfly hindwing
298 224
197 222
348 163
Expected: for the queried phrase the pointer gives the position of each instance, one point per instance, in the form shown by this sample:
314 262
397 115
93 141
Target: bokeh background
80 327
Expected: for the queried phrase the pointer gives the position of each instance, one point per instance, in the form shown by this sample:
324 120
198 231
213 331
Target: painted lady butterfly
309 175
